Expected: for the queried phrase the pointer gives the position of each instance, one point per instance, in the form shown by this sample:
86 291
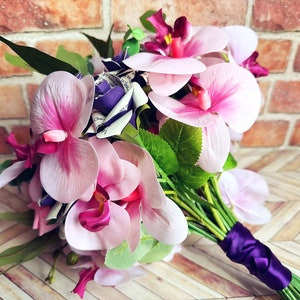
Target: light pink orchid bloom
96 270
101 223
228 95
245 191
242 46
59 114
161 217
173 48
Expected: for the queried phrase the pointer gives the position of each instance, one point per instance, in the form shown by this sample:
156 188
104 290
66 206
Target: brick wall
48 23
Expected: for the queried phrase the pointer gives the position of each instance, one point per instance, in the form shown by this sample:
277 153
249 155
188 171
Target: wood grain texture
199 271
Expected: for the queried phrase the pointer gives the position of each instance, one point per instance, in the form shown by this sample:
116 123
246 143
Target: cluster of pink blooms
110 188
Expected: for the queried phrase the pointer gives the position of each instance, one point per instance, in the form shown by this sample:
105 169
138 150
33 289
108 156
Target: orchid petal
111 277
152 193
188 114
167 84
207 39
246 191
12 172
69 172
133 238
216 145
168 224
235 94
242 42
155 63
109 237
60 104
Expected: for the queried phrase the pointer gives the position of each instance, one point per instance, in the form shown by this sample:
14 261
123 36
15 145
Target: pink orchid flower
102 275
102 223
245 191
242 49
59 114
161 217
173 48
224 95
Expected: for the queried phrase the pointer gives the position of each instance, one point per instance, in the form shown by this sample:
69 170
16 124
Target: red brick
22 134
32 15
12 102
6 68
285 97
295 137
297 60
265 134
274 54
276 15
205 12
4 147
264 87
83 48
31 89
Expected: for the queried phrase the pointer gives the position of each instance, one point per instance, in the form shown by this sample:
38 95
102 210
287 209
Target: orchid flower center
55 135
203 98
98 216
176 50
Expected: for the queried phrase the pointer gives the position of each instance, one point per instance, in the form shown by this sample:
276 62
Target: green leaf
193 176
132 46
104 48
160 150
185 140
121 257
39 60
4 165
72 58
25 218
17 61
230 163
29 250
157 252
146 23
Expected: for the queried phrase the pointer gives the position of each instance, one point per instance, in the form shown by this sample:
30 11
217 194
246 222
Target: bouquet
131 152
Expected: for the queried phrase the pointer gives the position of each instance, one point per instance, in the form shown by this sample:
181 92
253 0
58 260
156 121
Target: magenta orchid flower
245 192
161 217
59 114
96 270
173 48
102 223
242 49
224 95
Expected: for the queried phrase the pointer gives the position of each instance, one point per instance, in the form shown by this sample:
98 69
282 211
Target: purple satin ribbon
241 247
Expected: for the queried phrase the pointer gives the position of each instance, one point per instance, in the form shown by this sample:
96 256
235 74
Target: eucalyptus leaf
185 140
72 58
38 60
160 150
121 257
157 252
25 218
29 250
230 163
147 25
132 46
17 61
104 48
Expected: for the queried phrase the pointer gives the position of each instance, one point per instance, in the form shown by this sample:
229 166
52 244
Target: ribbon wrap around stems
241 247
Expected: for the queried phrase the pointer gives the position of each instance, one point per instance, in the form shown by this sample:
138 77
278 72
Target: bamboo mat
199 271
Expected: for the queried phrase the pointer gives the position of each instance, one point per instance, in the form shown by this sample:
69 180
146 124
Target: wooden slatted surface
199 271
